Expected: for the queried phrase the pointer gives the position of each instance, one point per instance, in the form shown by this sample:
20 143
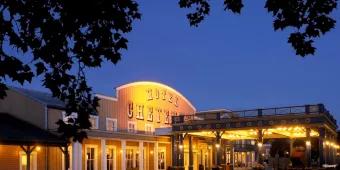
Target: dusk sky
230 61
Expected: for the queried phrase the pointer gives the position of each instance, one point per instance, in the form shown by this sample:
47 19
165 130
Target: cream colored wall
107 109
23 108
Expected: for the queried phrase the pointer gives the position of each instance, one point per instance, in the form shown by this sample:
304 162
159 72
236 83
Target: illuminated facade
151 126
122 134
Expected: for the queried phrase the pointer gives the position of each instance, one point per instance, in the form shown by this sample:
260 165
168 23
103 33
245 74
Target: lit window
111 124
110 158
132 127
132 161
161 159
149 129
70 118
94 122
150 114
90 158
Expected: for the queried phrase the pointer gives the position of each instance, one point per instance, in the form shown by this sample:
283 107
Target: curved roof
138 83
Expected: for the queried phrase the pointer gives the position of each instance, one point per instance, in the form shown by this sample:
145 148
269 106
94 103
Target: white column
76 156
141 155
103 155
155 154
123 143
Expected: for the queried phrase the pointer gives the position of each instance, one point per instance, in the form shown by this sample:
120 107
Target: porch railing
253 113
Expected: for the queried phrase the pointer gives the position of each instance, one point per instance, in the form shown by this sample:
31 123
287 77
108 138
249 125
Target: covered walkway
14 131
247 137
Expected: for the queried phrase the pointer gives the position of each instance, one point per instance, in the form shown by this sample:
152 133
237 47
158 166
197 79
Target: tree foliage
308 19
65 37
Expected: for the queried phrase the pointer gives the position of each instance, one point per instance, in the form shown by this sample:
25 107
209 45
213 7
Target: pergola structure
307 122
17 132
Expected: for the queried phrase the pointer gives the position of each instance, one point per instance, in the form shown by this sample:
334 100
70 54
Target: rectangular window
132 127
111 158
94 121
23 161
149 129
161 159
90 158
132 161
111 124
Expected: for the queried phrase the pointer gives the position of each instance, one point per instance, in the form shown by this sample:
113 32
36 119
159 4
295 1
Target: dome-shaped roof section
144 83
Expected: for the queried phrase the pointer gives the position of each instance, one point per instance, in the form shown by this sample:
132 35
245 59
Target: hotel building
151 126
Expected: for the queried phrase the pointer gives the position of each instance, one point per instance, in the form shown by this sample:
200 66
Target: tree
65 37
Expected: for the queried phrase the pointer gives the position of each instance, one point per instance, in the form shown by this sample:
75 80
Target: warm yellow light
38 148
209 147
327 143
217 145
259 144
23 160
308 143
180 146
151 152
121 151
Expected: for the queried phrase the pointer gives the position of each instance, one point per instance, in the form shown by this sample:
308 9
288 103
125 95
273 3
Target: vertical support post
321 146
181 151
103 155
308 148
76 156
174 145
232 154
156 156
259 145
218 155
141 155
291 144
123 145
66 157
191 159
28 155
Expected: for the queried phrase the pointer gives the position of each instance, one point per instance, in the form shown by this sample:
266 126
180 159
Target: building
149 125
125 125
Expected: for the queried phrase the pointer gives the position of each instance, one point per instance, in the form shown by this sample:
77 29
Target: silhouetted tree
64 37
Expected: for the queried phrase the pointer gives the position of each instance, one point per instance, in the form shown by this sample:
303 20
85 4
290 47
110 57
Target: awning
14 131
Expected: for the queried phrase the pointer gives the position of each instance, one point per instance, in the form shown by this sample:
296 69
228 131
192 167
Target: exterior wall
10 158
55 158
108 108
143 97
29 110
53 115
163 100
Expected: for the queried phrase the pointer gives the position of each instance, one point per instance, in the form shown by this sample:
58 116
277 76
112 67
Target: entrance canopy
281 122
14 131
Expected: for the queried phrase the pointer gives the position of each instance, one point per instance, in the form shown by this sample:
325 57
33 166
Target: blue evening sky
229 61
